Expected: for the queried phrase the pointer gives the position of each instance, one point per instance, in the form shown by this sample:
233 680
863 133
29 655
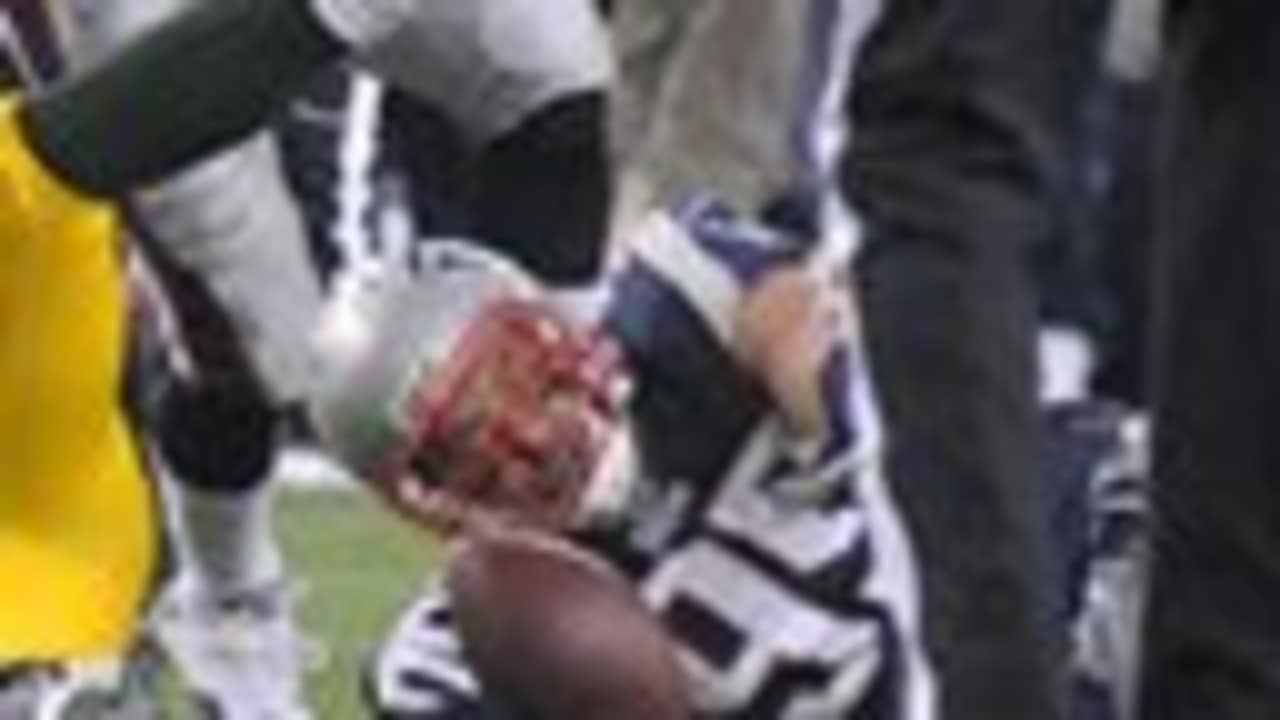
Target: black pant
951 170
1213 633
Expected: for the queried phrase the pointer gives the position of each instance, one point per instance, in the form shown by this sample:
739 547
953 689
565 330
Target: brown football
554 634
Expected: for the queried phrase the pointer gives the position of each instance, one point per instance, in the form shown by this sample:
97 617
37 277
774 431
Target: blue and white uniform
782 571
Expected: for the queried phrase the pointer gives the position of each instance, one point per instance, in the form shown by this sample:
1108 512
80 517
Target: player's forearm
192 86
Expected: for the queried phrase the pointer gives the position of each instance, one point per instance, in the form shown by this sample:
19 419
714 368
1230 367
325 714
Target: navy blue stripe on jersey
835 588
887 697
714 640
820 127
744 247
826 475
822 30
784 685
882 701
835 32
837 381
713 256
421 680
445 702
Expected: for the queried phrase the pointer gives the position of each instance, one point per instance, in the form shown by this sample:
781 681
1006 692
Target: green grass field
359 564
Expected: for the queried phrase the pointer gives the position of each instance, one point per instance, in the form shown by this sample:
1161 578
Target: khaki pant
707 95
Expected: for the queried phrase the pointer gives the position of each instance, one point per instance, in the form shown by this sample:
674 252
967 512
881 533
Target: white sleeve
667 249
489 64
712 256
362 23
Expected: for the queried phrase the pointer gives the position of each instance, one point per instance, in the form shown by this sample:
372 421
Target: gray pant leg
230 220
487 64
707 90
726 94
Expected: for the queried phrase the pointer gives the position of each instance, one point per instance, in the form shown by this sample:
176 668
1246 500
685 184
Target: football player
752 517
77 523
527 80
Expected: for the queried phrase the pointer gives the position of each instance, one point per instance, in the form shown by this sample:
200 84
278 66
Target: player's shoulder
710 255
704 228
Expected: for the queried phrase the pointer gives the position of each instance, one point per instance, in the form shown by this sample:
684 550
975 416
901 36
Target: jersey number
771 630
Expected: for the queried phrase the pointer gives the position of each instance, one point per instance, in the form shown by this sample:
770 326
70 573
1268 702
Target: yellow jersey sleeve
76 521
